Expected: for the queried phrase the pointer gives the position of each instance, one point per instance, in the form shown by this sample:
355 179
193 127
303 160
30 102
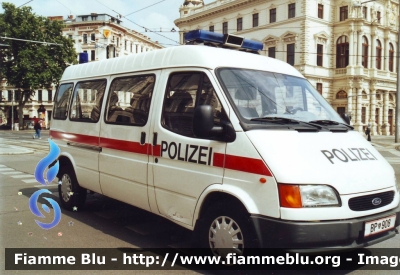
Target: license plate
378 226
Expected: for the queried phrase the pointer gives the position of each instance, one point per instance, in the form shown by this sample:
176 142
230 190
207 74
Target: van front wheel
226 230
72 196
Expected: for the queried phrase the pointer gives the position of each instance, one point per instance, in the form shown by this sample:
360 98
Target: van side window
61 103
87 100
186 91
129 100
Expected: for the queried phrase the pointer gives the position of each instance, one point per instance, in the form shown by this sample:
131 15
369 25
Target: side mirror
203 125
346 118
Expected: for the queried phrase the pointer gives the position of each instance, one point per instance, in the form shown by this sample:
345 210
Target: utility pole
397 118
12 110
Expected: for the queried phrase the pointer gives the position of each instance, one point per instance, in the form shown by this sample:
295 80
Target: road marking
22 176
6 169
1 165
11 173
30 181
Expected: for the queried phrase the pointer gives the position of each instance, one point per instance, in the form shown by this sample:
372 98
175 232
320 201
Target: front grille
364 203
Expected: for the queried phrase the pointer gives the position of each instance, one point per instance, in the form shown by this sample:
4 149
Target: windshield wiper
326 122
284 120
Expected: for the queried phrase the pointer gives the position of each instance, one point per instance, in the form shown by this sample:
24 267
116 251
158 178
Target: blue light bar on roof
203 36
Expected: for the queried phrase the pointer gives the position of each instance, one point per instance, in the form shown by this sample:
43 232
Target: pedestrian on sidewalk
37 128
368 133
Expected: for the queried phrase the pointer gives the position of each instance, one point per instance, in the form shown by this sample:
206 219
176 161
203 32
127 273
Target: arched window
378 54
341 95
364 61
391 57
342 52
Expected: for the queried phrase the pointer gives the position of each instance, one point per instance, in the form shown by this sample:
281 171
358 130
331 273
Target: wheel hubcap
66 187
225 233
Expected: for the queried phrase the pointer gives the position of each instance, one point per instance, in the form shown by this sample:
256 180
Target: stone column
385 51
358 124
380 122
350 99
373 52
359 44
385 126
372 109
352 49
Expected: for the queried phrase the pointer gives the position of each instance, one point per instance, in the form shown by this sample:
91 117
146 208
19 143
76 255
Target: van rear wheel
226 230
72 196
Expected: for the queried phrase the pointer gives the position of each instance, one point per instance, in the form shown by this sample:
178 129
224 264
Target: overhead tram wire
138 24
25 4
144 8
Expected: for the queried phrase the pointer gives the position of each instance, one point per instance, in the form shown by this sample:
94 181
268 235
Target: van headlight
318 195
298 196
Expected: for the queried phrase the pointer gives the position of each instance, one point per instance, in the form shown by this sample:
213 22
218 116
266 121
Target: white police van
235 146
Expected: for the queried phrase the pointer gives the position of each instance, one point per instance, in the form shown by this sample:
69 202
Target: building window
364 58
225 28
292 10
363 114
40 96
341 111
10 95
49 95
319 88
211 28
271 52
320 11
126 45
272 15
93 55
94 17
320 53
84 18
92 37
378 54
378 16
239 24
117 41
17 95
343 13
364 10
377 115
255 20
290 54
341 95
70 36
342 52
391 57
137 48
85 38
131 46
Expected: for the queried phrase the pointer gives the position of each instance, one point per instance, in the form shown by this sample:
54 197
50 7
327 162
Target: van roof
175 57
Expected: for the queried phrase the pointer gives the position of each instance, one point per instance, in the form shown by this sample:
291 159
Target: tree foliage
27 65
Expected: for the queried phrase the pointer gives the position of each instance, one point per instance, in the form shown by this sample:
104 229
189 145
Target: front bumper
320 235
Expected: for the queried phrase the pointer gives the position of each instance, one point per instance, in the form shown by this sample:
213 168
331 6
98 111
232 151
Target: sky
159 14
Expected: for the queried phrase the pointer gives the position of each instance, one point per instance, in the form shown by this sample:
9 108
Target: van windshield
259 95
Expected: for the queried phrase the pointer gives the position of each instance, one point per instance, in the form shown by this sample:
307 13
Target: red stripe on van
78 138
249 165
157 151
122 145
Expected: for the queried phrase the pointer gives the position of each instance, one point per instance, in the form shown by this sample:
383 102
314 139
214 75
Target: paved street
105 223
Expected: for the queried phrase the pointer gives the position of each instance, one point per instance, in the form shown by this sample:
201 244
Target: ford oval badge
377 201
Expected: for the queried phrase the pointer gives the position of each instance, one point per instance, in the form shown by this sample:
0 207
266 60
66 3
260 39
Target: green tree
27 65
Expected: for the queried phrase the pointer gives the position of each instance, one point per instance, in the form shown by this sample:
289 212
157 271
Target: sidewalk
384 141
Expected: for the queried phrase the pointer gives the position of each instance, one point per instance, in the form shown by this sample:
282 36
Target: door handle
155 138
142 138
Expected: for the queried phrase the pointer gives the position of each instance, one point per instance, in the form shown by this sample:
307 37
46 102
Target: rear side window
87 100
61 103
129 100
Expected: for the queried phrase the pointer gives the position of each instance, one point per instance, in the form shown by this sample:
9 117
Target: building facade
101 36
345 48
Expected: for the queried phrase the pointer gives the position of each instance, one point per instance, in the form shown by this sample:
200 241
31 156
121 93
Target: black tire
234 234
70 201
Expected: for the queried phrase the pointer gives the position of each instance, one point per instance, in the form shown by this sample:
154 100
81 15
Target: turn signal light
289 196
